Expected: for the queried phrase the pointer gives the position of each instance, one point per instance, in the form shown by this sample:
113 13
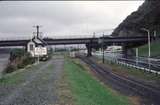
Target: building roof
38 41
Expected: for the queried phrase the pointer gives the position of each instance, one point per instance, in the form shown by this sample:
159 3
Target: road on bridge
34 86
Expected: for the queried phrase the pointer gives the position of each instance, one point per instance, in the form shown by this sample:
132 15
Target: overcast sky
59 18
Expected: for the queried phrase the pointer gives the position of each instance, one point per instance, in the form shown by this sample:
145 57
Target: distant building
37 47
114 48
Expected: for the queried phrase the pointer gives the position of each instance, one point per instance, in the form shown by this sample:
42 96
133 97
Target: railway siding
123 84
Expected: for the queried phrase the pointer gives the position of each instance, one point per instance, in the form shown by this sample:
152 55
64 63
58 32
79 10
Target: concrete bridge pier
128 52
89 50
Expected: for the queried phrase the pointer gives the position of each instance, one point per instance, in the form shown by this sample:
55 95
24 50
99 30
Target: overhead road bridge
98 41
90 42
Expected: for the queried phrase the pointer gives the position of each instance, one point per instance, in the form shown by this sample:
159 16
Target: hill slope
147 16
155 49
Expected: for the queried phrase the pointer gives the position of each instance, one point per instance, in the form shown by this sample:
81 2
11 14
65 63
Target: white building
114 48
37 47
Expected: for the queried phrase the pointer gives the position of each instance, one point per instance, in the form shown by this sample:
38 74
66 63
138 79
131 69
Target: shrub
9 68
20 66
28 60
18 59
16 53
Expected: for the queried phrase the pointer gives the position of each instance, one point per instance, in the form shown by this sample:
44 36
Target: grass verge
87 90
155 49
138 73
128 71
17 76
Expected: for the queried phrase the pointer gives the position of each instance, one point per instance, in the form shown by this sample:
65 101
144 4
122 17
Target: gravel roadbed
38 86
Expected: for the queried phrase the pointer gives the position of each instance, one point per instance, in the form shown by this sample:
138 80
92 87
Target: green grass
131 71
17 76
11 79
155 49
135 72
89 91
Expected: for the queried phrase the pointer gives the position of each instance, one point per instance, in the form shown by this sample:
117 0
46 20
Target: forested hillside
147 16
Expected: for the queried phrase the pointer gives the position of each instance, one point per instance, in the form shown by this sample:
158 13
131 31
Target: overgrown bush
9 69
16 53
20 65
18 59
28 60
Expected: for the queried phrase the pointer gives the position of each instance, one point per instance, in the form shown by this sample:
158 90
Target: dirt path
38 87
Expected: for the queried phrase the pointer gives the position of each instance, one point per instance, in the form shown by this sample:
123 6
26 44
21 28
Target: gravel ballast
38 86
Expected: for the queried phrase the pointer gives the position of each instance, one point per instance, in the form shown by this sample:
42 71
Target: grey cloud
62 18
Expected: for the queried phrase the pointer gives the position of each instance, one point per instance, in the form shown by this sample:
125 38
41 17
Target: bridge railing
14 38
3 38
74 36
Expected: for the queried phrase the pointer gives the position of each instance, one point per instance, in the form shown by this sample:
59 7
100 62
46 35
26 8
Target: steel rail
136 87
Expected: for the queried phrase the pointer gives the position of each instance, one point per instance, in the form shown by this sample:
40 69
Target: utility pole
103 48
136 56
155 34
78 48
37 36
113 52
37 30
149 46
37 27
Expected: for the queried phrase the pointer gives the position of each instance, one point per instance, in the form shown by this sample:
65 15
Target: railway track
124 84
